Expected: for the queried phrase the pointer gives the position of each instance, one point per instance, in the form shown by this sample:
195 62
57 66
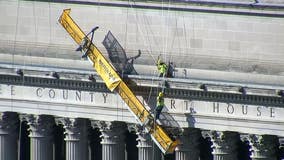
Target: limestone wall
197 40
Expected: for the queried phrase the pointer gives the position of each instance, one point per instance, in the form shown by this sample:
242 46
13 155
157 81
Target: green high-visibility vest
160 101
162 67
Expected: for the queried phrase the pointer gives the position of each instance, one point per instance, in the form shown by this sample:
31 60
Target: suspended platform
115 83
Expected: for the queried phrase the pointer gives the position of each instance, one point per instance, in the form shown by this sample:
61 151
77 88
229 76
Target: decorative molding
74 128
224 144
39 125
52 82
225 97
263 146
9 122
113 144
250 9
112 132
188 147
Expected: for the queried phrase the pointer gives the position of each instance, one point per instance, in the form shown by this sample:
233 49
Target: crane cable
140 30
164 48
13 61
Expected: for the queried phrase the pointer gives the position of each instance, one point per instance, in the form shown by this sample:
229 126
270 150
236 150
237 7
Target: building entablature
64 96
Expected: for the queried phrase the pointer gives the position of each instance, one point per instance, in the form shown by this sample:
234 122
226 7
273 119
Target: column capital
73 127
263 146
39 125
8 122
189 139
106 125
111 130
224 144
188 146
113 145
40 133
75 130
143 138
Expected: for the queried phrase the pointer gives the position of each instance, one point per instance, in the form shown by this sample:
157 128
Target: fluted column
263 147
113 145
75 138
188 149
40 133
281 147
8 135
147 150
224 145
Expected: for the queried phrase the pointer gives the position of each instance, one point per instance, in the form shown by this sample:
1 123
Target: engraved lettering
39 92
258 111
272 112
12 90
216 107
51 93
65 94
245 109
186 105
92 96
191 108
173 104
78 95
107 71
230 108
105 96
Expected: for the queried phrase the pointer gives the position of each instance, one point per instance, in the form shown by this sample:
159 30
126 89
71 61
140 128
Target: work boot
158 122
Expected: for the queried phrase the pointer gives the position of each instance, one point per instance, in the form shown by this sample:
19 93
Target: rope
20 140
148 29
167 32
126 29
144 41
140 30
50 26
185 35
174 37
16 32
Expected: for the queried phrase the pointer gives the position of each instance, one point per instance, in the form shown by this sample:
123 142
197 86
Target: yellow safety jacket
160 102
162 67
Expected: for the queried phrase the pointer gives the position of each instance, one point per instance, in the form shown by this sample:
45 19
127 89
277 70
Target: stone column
8 135
281 147
224 145
40 133
75 138
263 147
188 149
147 150
113 145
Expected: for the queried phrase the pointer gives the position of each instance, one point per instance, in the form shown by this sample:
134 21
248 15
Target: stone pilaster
113 145
8 135
263 147
147 150
75 138
224 145
188 149
40 133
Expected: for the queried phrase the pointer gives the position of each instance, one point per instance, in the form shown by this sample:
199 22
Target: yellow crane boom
115 83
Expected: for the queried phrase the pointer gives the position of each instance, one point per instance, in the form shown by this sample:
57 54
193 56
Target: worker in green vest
162 67
160 105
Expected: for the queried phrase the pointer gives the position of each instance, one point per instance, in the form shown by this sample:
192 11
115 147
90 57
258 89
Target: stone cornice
190 94
244 8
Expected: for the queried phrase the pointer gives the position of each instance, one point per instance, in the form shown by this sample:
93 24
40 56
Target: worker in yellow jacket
160 105
162 67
